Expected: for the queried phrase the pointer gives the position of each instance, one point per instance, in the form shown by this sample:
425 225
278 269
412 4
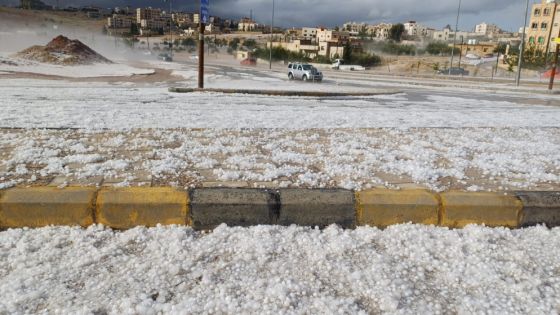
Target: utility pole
521 47
555 64
203 16
455 36
170 31
271 38
201 56
461 51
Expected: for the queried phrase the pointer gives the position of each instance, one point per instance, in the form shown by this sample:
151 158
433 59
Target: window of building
537 12
531 40
544 26
535 26
541 40
546 12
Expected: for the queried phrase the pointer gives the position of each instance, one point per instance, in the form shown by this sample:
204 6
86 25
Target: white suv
305 72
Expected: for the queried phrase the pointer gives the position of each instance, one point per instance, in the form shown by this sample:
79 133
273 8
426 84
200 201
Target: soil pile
63 51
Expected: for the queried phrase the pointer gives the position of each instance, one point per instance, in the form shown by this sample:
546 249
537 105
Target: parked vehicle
454 71
249 62
338 64
165 57
305 72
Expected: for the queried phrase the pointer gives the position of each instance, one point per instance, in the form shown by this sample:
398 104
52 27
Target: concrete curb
282 93
206 208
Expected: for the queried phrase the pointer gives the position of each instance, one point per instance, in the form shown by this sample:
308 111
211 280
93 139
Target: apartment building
247 25
147 14
120 21
182 18
380 31
158 23
485 29
315 42
309 33
447 34
544 25
354 27
413 29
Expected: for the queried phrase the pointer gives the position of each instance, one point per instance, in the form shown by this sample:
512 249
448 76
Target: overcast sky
508 14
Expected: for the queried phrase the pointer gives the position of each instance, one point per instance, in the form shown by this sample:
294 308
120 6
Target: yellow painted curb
383 207
491 209
43 206
130 207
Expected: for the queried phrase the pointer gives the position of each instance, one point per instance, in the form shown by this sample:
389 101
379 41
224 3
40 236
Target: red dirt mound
62 50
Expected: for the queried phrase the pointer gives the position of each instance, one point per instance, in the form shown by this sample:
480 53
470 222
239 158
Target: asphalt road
413 92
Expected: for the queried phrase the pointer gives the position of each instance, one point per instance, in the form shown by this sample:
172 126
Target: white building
380 31
447 34
247 25
487 29
147 14
309 33
354 27
120 21
413 29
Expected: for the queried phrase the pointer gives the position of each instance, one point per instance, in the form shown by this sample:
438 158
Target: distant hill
11 18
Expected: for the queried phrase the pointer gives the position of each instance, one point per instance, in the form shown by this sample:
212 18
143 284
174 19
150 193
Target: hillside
31 19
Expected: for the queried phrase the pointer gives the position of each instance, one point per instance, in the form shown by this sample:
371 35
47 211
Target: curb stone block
491 209
317 207
540 207
383 207
43 206
125 208
211 207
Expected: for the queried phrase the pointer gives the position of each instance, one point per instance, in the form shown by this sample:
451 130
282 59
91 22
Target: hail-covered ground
65 132
125 132
405 269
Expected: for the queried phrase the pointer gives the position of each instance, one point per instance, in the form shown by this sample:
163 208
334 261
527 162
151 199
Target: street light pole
170 31
455 36
271 32
521 47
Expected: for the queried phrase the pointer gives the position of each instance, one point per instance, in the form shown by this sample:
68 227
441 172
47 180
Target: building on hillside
147 14
544 26
332 42
325 42
309 33
182 19
155 24
413 29
120 21
485 29
354 27
475 48
379 31
247 25
447 34
34 5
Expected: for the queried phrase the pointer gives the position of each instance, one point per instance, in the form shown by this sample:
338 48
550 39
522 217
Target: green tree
250 43
134 31
501 48
234 44
188 42
440 48
396 32
347 54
